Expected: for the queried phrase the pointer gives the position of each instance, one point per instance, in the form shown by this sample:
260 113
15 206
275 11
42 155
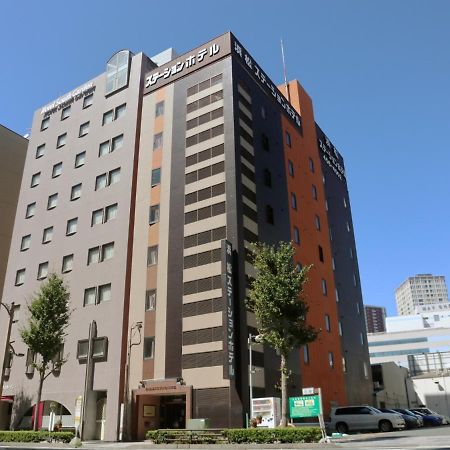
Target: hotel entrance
161 404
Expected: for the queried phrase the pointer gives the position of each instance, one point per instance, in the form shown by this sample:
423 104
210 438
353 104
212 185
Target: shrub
35 436
271 435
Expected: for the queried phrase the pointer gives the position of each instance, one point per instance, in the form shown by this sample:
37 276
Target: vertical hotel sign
228 291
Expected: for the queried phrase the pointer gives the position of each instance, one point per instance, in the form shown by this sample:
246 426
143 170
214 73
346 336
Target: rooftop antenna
284 71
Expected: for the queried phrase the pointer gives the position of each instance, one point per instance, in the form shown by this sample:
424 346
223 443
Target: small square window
114 176
84 129
288 139
116 142
314 192
93 255
42 271
35 179
157 141
324 287
30 211
89 296
47 235
317 222
107 251
103 148
104 293
65 113
52 201
97 217
154 214
40 151
331 359
290 168
156 176
149 347
67 263
75 192
311 165
57 170
88 100
108 117
321 254
152 255
327 323
159 109
296 235
20 277
25 243
45 123
150 300
110 212
61 141
71 226
120 111
101 181
293 201
80 159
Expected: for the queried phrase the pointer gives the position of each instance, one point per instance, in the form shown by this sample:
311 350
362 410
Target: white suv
353 418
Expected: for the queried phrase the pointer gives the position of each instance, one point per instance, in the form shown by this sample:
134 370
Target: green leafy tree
276 298
45 331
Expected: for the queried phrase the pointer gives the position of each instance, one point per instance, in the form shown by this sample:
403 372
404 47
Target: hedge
237 436
35 436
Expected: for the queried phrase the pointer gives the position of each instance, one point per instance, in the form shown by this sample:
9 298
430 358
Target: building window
71 226
30 211
75 192
89 296
265 142
42 271
156 176
159 109
110 212
269 215
84 129
110 146
345 202
290 168
150 300
152 255
88 100
296 235
107 179
324 287
114 114
293 201
321 254
333 264
35 179
80 159
288 139
40 151
317 222
61 141
108 117
107 251
366 370
331 359
311 165
67 263
351 252
340 328
336 292
358 308
267 178
52 201
149 347
154 214
20 277
327 323
25 243
314 192
97 217
47 235
103 215
344 364
157 141
306 354
57 170
104 293
355 281
117 71
65 113
93 255
45 123
299 266
361 339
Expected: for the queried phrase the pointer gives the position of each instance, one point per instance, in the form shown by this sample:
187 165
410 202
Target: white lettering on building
73 96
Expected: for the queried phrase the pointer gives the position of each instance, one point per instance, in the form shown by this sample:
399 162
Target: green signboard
304 406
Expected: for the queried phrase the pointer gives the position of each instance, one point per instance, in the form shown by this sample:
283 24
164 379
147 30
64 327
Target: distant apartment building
375 318
144 189
420 290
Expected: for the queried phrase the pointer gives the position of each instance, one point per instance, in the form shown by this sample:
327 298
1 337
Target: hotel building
144 188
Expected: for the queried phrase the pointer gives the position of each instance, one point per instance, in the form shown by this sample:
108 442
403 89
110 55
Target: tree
45 331
276 298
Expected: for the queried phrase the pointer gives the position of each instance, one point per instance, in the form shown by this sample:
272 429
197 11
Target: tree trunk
283 367
38 401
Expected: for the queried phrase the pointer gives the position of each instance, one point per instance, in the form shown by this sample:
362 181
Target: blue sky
378 73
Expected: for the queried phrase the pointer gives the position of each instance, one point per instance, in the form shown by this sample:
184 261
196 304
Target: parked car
411 421
357 418
429 420
409 413
445 419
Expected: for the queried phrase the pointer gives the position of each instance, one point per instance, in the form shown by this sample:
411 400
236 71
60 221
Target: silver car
358 418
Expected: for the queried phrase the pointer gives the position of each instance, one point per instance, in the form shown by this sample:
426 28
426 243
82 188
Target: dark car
445 420
412 420
429 420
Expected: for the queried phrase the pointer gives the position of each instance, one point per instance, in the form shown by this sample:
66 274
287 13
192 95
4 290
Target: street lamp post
252 339
125 428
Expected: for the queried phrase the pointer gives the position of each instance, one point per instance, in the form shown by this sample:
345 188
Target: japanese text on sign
229 309
330 156
265 81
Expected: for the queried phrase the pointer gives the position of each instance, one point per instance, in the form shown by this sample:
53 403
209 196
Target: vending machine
267 411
